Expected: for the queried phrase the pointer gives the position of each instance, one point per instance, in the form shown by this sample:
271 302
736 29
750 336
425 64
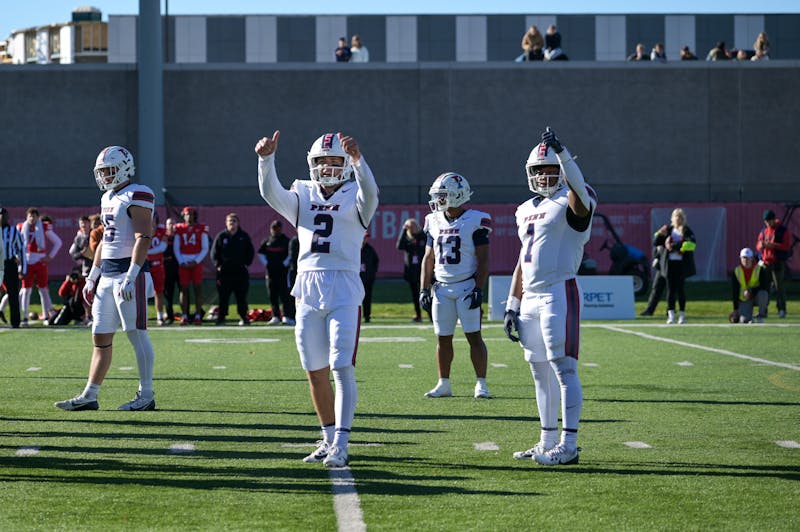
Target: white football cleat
274 321
337 457
319 454
441 390
481 391
540 448
558 455
139 403
79 402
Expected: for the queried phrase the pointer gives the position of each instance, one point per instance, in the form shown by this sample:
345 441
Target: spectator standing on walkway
532 45
687 55
359 52
658 53
342 52
639 54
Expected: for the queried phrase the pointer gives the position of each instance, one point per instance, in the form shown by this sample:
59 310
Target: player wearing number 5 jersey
119 284
331 212
457 255
544 302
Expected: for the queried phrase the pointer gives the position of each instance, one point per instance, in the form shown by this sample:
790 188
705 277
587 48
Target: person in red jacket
773 244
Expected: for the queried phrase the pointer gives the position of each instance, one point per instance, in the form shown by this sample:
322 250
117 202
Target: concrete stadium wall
643 132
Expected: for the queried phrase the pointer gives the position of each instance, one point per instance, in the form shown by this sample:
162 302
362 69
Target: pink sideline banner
722 229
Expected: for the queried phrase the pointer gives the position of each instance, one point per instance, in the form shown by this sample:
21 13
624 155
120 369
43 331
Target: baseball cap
769 215
746 253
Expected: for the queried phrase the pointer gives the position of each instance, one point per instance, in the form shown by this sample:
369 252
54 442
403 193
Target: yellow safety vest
739 273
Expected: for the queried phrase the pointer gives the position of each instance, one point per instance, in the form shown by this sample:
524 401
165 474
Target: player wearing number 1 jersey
331 213
544 301
457 255
119 282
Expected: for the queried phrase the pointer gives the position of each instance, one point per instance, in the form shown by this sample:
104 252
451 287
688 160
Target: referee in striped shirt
15 265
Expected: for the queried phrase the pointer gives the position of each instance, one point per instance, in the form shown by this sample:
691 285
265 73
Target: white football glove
128 288
88 291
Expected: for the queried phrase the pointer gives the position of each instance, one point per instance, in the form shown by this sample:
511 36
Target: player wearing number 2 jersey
457 255
119 284
331 213
544 302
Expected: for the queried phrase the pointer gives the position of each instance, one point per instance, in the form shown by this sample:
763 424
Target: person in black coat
274 255
412 243
232 252
369 269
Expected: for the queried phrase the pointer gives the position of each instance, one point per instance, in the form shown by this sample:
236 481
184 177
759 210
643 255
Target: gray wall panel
297 37
436 37
648 132
577 36
372 29
784 35
504 37
225 39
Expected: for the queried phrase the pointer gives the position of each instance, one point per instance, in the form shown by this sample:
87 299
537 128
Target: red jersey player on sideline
155 256
34 232
191 247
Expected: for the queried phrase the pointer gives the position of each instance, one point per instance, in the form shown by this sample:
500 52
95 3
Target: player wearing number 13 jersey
544 301
330 212
457 255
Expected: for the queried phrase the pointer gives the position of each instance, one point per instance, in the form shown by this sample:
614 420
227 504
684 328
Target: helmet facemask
544 184
322 172
114 165
329 175
448 191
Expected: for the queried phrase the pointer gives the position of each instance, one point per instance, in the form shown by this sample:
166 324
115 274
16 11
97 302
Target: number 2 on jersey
317 243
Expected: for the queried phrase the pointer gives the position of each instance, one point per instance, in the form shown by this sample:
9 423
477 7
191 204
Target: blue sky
18 14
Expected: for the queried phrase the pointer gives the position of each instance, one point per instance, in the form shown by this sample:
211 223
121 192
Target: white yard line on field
346 502
703 348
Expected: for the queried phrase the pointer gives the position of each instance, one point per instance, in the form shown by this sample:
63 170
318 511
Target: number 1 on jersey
528 257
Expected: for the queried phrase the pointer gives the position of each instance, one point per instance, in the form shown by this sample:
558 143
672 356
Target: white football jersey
329 231
551 249
453 248
118 234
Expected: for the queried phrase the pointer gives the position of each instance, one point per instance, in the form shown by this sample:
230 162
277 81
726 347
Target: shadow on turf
310 478
696 401
176 379
150 424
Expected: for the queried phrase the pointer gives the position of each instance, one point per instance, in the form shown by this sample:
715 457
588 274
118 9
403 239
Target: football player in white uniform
119 284
544 301
457 256
331 212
